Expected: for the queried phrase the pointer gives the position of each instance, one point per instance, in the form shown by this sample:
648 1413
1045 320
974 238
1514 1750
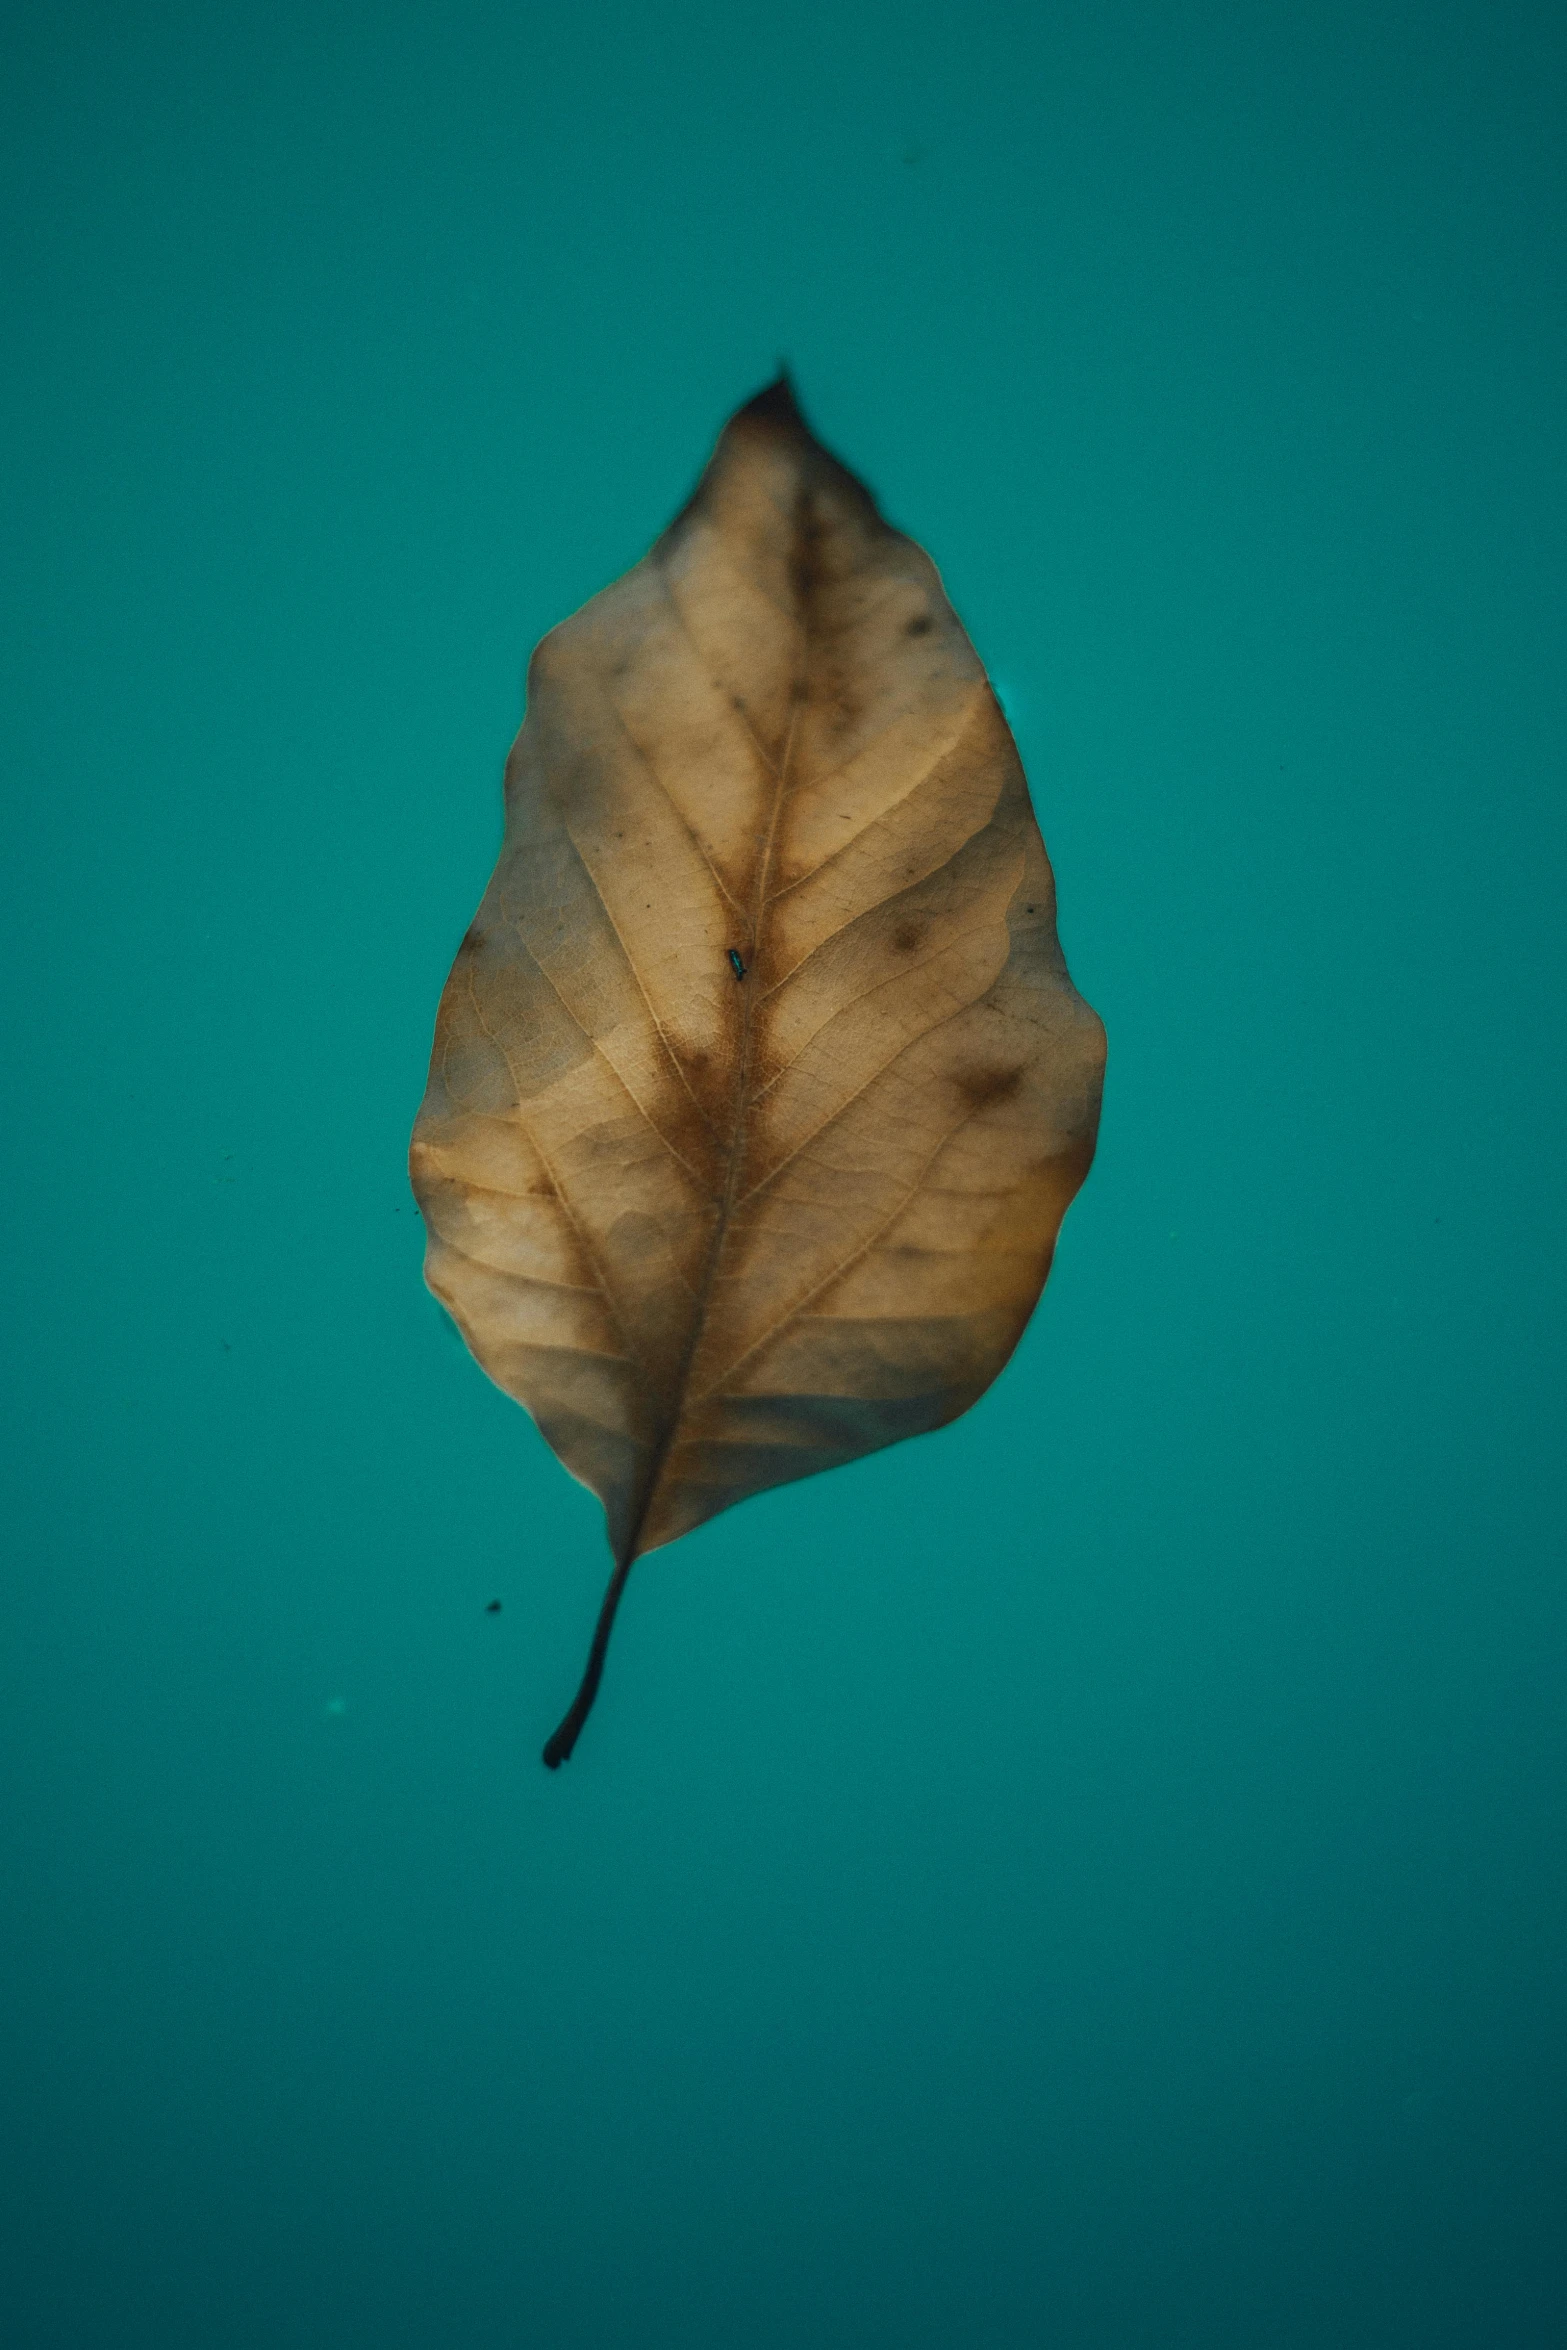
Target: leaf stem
565 1738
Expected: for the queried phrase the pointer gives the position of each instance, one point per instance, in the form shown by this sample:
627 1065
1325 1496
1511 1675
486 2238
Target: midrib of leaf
733 1166
559 1746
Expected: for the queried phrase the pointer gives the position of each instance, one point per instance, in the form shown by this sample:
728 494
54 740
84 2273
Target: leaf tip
775 403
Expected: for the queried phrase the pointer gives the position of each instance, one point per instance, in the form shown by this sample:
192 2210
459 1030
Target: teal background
1093 1878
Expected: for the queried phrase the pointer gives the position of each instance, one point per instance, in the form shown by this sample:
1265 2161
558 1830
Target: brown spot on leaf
920 625
981 1087
907 936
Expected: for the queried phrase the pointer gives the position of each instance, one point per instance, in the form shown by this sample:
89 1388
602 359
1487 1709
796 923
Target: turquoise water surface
1089 1880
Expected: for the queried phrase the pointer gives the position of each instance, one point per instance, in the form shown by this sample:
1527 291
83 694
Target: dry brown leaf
759 1086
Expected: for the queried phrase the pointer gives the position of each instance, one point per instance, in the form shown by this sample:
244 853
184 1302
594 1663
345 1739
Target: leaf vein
849 1100
680 814
861 1250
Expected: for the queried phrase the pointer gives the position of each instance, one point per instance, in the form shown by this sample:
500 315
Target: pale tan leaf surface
716 1233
